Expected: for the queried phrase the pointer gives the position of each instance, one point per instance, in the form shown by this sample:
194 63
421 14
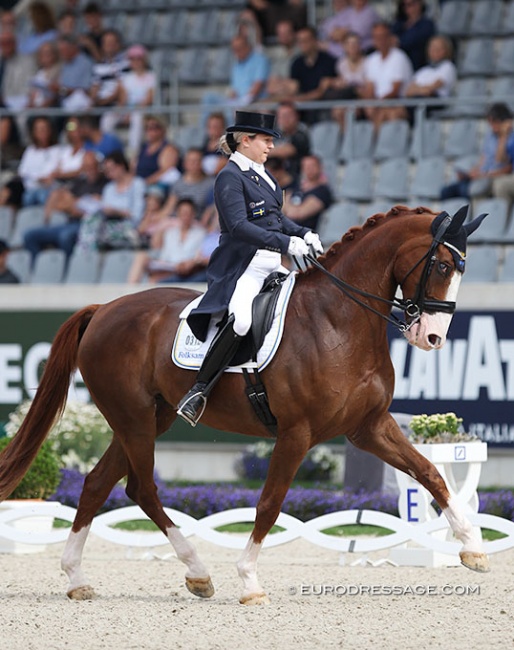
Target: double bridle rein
411 308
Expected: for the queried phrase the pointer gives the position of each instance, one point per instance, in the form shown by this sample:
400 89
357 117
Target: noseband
412 308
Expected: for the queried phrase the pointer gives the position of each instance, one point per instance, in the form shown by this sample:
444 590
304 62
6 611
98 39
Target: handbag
97 231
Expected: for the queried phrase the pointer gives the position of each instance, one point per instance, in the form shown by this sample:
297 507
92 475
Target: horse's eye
444 269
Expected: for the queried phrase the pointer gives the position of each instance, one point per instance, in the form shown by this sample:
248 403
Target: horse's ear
458 219
473 225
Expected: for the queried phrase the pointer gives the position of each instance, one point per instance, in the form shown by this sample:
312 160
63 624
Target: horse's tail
48 403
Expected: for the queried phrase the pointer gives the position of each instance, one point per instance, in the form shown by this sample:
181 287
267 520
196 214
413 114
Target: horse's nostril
434 340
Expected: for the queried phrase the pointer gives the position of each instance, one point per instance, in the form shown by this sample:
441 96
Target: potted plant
39 483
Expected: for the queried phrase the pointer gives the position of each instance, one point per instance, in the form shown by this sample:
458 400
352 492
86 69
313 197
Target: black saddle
263 311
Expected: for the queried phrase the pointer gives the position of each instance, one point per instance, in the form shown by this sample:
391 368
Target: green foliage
43 477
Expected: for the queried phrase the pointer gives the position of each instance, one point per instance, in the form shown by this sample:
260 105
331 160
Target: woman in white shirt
136 90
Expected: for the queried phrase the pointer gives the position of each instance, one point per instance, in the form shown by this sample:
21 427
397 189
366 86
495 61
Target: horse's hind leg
98 484
141 488
387 441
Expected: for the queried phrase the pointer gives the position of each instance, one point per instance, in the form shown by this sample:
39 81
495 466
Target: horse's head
432 281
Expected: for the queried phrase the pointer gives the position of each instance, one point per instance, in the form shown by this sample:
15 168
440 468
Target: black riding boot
218 357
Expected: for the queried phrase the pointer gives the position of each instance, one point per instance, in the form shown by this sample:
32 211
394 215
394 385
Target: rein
412 308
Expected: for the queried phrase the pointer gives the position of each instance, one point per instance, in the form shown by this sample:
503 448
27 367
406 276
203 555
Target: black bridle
411 308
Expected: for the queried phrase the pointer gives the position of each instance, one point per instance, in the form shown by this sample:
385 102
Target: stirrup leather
192 415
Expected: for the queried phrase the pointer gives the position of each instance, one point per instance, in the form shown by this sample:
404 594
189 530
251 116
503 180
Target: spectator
44 28
95 139
194 184
212 156
295 141
136 91
329 29
81 195
158 160
308 71
248 77
176 241
494 161
105 85
350 69
11 146
438 78
314 196
76 74
39 160
277 169
67 23
91 40
270 12
43 87
71 154
151 222
413 30
115 224
387 73
8 21
16 70
359 18
279 81
6 275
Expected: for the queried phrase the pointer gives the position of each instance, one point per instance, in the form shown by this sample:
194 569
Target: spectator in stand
40 159
95 139
277 169
330 39
176 241
295 141
503 186
6 275
314 196
387 72
67 23
158 160
268 13
248 77
91 40
105 85
350 69
11 145
8 21
413 30
81 195
71 154
43 87
358 17
495 159
151 222
16 71
213 158
194 184
136 90
44 28
438 78
114 224
76 74
309 70
279 81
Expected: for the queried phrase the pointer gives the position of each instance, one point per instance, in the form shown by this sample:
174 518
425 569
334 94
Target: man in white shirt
387 72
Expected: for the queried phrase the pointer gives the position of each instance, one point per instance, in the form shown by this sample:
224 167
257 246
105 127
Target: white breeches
248 286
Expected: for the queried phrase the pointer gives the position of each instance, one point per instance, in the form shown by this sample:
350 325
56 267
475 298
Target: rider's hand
297 247
312 239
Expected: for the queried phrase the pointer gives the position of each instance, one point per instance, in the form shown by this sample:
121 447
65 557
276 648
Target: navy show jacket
250 215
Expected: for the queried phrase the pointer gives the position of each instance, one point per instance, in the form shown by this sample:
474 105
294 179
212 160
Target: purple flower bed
301 502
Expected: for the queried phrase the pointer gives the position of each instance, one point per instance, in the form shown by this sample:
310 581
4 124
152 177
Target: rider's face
257 147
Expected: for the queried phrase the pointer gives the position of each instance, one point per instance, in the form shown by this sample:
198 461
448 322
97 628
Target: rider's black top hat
254 123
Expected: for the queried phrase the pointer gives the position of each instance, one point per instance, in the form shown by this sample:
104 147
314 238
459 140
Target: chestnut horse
332 375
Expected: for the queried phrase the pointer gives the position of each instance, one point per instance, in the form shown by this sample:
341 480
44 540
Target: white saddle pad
188 352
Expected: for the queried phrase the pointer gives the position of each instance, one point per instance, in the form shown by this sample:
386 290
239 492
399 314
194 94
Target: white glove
297 247
312 239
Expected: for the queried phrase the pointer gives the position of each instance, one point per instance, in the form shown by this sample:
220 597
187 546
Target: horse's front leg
386 440
289 452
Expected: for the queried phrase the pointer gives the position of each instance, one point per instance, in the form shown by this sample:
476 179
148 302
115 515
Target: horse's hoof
255 599
82 593
201 587
475 561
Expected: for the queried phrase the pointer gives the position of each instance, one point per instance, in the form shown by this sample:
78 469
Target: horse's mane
356 233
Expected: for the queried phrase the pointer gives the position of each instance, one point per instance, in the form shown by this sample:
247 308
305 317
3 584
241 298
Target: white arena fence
205 528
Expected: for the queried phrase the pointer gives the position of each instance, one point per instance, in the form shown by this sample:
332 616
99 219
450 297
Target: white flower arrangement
80 436
438 428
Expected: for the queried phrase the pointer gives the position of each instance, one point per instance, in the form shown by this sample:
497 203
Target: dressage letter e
411 504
